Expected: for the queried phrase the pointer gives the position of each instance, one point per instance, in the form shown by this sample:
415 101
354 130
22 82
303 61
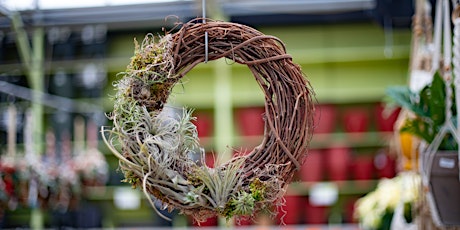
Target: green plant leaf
407 212
429 106
403 97
434 97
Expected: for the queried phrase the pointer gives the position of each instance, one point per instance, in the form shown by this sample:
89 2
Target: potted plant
440 159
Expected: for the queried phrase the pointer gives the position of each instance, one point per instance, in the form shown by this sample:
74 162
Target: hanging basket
153 147
443 192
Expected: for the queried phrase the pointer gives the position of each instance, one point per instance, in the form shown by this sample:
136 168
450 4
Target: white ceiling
65 4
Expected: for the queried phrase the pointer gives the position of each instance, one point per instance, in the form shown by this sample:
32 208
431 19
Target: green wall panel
346 63
196 88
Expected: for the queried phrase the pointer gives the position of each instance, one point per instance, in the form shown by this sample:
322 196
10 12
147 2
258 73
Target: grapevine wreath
153 147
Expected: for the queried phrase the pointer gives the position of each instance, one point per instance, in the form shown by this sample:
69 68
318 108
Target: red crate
312 169
325 118
250 121
385 122
204 123
338 162
356 120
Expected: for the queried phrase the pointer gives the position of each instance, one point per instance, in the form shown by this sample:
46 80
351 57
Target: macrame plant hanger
456 65
429 154
206 51
420 75
421 69
442 13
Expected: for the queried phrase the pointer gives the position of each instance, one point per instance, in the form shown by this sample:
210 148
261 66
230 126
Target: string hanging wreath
153 147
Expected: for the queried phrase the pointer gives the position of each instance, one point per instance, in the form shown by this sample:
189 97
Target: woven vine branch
153 147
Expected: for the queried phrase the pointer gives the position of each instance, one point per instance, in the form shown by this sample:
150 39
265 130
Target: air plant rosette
153 146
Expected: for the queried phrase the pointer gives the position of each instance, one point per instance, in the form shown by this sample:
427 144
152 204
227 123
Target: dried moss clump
149 76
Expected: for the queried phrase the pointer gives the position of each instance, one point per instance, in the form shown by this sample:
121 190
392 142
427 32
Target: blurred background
58 60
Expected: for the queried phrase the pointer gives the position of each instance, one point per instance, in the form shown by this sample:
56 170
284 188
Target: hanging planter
153 147
435 123
444 188
431 126
430 115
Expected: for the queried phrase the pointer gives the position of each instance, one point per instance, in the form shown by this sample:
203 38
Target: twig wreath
153 147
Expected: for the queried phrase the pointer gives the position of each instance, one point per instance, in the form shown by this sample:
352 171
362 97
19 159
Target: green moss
244 203
147 78
147 54
257 188
148 59
241 205
229 210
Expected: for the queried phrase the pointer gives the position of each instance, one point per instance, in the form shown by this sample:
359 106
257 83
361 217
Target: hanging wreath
153 147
